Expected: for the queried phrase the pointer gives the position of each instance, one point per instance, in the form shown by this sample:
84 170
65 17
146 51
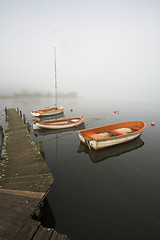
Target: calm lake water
110 194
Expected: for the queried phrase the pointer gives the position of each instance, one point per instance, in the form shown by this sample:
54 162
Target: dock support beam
41 149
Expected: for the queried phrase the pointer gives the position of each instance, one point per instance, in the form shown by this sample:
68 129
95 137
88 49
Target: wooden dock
24 182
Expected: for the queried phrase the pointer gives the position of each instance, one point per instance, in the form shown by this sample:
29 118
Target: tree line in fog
25 93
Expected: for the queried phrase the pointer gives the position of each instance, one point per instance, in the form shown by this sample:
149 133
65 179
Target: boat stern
35 114
35 126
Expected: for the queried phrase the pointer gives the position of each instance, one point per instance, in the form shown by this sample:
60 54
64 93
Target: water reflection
100 155
45 215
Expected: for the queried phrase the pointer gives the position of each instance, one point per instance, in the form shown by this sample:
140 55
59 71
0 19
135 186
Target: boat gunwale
53 123
119 135
113 137
44 110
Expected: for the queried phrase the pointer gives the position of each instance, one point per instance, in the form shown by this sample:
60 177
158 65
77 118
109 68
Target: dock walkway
24 182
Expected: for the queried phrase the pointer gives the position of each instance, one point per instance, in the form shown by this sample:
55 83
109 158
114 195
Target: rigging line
98 119
50 106
67 134
59 166
55 72
55 137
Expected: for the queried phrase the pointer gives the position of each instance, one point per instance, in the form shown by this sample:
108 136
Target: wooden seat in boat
136 128
124 130
109 133
114 132
100 136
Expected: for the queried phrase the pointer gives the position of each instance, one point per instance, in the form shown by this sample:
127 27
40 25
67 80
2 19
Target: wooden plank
15 216
31 202
8 230
14 212
114 131
57 236
9 204
32 183
23 193
3 238
28 231
20 170
43 233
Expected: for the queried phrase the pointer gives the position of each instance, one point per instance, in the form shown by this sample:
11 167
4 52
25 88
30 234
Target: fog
104 49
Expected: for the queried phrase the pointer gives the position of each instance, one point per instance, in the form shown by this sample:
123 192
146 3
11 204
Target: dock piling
24 119
41 149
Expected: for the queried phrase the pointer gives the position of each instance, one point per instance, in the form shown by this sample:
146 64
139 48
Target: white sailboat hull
46 114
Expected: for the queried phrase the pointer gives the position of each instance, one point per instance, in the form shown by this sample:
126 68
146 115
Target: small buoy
152 123
114 111
71 109
76 125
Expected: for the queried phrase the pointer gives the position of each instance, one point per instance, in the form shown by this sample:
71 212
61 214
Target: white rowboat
110 135
59 124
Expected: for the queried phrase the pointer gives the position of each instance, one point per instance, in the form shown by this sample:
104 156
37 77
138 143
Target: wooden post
1 133
24 119
41 149
5 110
20 113
28 126
18 110
5 113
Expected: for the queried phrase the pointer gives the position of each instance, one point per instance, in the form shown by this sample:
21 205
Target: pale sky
104 48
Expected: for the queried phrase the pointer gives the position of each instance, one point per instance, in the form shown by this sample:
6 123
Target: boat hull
107 136
46 113
117 150
96 145
62 124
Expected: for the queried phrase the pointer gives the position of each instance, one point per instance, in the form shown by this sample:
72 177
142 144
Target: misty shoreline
38 95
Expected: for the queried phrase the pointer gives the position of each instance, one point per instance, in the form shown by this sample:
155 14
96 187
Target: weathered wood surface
24 181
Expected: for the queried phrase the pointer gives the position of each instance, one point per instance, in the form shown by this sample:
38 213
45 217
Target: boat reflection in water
100 155
43 132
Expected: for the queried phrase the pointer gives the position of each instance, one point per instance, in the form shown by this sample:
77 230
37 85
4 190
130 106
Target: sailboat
51 110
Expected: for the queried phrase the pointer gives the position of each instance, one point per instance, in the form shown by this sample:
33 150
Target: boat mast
55 78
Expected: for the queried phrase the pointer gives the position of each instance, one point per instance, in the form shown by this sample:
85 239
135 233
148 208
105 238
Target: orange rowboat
59 124
47 111
110 135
